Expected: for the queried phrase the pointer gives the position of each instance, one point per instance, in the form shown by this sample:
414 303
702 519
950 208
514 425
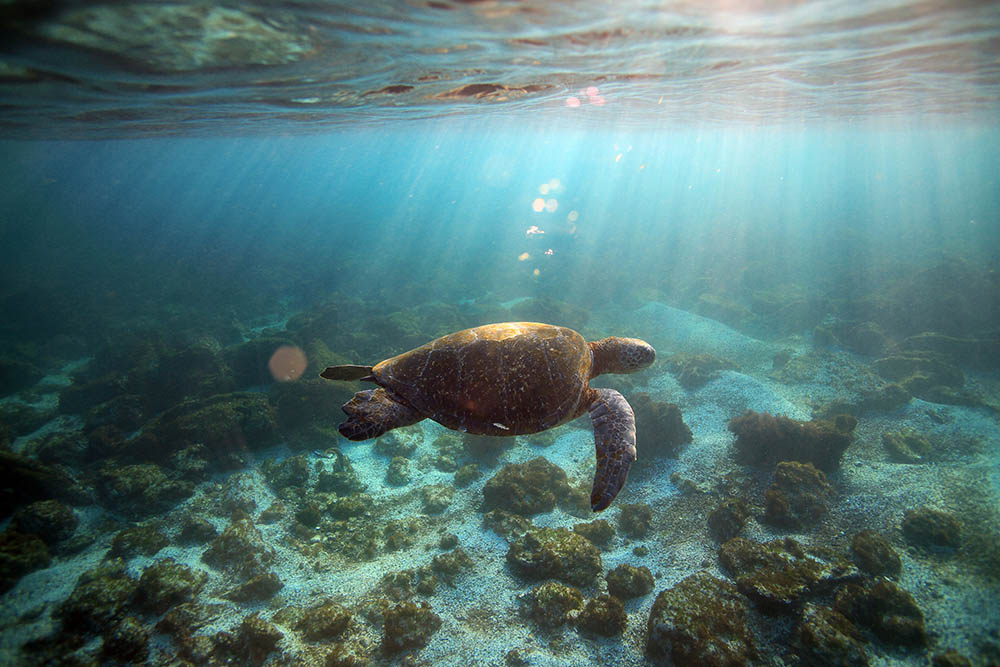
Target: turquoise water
202 207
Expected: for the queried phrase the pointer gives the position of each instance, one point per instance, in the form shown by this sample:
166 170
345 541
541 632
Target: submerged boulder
527 488
763 439
557 553
701 621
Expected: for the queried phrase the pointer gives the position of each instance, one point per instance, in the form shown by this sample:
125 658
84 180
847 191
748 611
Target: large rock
763 439
700 622
526 488
558 553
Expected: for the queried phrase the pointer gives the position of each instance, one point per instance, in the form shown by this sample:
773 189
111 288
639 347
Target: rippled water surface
151 68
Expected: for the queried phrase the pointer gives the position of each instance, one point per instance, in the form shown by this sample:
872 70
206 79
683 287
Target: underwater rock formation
923 374
635 519
166 583
603 615
628 581
825 637
100 598
762 439
19 555
932 528
797 497
527 488
558 553
778 575
660 428
884 608
550 604
873 554
16 375
695 370
24 480
408 625
727 519
51 520
907 445
240 549
598 531
137 540
140 490
700 622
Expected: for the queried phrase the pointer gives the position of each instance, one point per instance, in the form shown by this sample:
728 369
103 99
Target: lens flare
287 363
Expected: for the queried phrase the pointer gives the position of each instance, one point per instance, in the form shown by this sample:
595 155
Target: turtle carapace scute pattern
505 379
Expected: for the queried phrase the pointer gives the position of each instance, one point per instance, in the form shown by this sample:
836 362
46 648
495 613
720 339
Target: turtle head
620 355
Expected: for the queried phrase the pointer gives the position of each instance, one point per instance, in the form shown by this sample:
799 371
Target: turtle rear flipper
347 372
373 412
614 438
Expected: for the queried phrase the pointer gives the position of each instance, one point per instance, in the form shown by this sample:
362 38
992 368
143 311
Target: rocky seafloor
828 498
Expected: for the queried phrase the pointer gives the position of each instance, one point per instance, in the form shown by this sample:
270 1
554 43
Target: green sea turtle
505 379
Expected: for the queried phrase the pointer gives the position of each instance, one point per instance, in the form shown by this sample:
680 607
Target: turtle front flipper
614 437
373 412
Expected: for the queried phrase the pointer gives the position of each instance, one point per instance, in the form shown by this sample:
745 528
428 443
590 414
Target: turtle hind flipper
346 372
373 412
614 439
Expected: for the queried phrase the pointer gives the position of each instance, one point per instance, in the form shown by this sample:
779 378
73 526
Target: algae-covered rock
274 512
255 640
436 497
777 575
16 375
873 554
907 445
663 428
635 519
19 555
226 424
932 528
51 520
291 472
797 497
884 608
825 637
920 372
467 474
598 531
167 583
127 641
340 478
558 553
255 589
398 473
700 622
24 480
694 370
507 525
409 625
141 490
762 439
950 659
550 604
196 530
527 488
603 615
448 566
324 622
727 519
396 443
138 540
100 598
239 549
186 618
628 581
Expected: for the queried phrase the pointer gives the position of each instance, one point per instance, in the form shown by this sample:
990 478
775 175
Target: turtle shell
498 379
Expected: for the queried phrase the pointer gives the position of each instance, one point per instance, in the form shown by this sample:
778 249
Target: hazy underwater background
202 206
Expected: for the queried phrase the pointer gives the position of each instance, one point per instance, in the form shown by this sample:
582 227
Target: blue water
801 191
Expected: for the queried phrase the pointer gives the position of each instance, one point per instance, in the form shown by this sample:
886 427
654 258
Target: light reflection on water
163 69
